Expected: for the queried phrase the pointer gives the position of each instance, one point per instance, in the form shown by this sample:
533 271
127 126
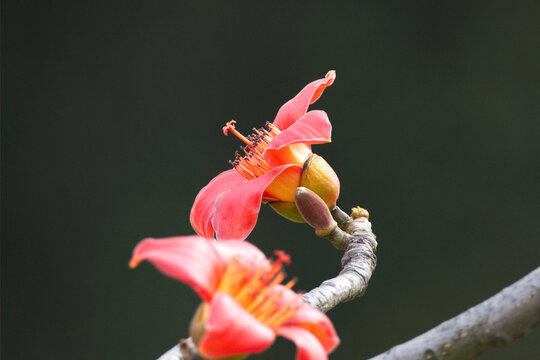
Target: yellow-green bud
320 178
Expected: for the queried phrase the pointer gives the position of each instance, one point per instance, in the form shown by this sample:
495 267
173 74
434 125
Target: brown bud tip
357 212
314 210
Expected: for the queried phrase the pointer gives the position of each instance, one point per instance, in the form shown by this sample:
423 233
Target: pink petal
231 330
312 128
189 259
203 209
318 324
312 320
295 108
308 346
237 210
229 250
193 260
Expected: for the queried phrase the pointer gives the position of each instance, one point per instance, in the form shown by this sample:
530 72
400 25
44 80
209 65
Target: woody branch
496 322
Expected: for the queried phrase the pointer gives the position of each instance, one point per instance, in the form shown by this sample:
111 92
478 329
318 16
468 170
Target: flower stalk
358 262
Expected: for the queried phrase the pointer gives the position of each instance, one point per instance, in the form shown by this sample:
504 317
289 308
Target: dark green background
111 123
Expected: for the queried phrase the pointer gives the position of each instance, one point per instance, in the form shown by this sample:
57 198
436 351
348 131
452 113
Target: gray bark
358 263
496 322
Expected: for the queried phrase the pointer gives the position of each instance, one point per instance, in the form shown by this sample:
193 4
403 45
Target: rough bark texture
358 263
499 320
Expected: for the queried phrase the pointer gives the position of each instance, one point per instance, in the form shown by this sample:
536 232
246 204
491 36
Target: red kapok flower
276 160
244 304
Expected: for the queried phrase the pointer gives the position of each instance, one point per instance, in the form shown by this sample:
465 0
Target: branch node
355 237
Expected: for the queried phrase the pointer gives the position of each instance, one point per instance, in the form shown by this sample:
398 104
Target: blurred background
111 124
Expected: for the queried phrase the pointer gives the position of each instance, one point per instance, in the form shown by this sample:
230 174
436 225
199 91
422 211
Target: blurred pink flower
244 304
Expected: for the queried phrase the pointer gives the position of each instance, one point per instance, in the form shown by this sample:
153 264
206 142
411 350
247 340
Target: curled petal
308 346
203 209
318 324
295 108
193 260
231 330
237 210
312 128
188 259
312 320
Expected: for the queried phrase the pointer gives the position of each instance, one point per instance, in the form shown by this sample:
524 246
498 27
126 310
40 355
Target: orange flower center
252 164
256 289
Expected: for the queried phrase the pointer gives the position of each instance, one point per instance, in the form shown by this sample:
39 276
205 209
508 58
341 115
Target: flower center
256 288
252 164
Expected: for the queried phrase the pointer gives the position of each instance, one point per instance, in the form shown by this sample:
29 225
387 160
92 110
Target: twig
184 350
499 320
173 353
358 262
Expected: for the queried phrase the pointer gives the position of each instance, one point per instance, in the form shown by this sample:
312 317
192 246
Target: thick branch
499 320
358 263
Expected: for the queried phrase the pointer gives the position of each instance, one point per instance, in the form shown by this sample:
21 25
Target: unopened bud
315 211
357 212
197 327
319 177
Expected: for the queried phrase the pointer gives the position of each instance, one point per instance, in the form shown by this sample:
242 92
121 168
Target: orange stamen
256 288
230 127
252 164
285 312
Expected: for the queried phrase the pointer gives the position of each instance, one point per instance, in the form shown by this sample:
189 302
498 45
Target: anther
251 164
230 127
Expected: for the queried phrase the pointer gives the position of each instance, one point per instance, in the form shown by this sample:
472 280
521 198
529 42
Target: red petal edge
193 260
237 210
318 324
204 208
312 128
295 108
231 330
308 346
188 259
313 321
